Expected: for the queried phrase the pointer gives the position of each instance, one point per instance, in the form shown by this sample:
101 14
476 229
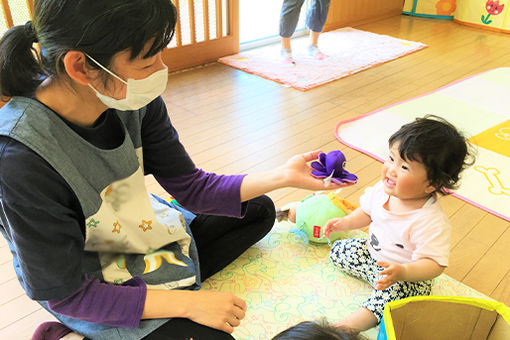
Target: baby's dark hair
320 330
439 146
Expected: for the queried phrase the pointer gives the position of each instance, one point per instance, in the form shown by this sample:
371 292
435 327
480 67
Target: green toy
314 211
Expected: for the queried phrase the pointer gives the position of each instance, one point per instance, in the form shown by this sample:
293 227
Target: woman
85 124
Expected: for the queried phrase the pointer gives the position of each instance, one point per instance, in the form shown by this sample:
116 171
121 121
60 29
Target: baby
409 235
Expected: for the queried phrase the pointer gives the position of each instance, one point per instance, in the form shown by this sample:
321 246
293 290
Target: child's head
99 28
309 330
438 145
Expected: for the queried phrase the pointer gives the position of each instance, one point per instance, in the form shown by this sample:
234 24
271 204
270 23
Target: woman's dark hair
439 146
310 330
100 28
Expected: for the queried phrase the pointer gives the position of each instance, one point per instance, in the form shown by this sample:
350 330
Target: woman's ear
76 67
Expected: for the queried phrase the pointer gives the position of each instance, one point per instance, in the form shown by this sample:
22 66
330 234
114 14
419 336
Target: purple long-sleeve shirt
105 303
42 220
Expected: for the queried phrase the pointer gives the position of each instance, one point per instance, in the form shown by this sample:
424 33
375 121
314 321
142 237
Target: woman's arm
105 303
165 157
209 193
218 310
206 193
294 173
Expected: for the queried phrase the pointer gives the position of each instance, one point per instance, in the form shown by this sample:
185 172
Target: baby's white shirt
404 237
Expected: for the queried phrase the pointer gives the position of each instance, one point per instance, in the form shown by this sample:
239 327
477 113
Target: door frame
209 50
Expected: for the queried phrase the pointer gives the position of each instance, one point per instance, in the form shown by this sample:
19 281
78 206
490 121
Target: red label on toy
316 231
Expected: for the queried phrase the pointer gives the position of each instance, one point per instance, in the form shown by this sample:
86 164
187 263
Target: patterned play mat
477 106
285 281
349 50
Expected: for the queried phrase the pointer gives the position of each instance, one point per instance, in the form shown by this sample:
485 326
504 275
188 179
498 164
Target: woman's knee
265 208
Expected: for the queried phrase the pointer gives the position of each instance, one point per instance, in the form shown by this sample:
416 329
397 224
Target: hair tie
30 32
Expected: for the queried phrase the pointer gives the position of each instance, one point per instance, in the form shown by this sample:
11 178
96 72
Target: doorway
259 22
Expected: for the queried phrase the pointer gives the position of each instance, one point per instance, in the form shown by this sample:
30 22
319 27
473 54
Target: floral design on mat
284 282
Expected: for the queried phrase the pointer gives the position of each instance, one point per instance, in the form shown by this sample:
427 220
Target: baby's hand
392 273
334 225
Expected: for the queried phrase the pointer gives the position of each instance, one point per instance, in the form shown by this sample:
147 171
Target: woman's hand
392 273
218 310
298 173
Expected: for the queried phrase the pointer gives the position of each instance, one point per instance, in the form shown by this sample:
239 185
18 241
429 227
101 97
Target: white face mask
139 92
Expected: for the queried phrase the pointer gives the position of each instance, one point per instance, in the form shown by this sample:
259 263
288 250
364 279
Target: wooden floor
234 122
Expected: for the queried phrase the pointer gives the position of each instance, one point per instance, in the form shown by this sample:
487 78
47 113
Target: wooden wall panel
348 12
219 41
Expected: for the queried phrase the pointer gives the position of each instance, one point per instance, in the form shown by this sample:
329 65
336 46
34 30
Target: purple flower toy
331 166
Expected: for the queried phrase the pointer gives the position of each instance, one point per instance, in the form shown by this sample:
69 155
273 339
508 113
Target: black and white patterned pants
352 256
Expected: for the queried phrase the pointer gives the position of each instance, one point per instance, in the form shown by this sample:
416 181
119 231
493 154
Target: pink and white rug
349 50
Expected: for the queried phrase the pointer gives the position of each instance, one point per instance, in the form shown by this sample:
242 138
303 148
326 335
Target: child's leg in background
315 21
317 15
352 256
289 17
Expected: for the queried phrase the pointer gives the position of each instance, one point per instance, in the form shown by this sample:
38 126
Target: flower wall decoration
446 7
493 8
